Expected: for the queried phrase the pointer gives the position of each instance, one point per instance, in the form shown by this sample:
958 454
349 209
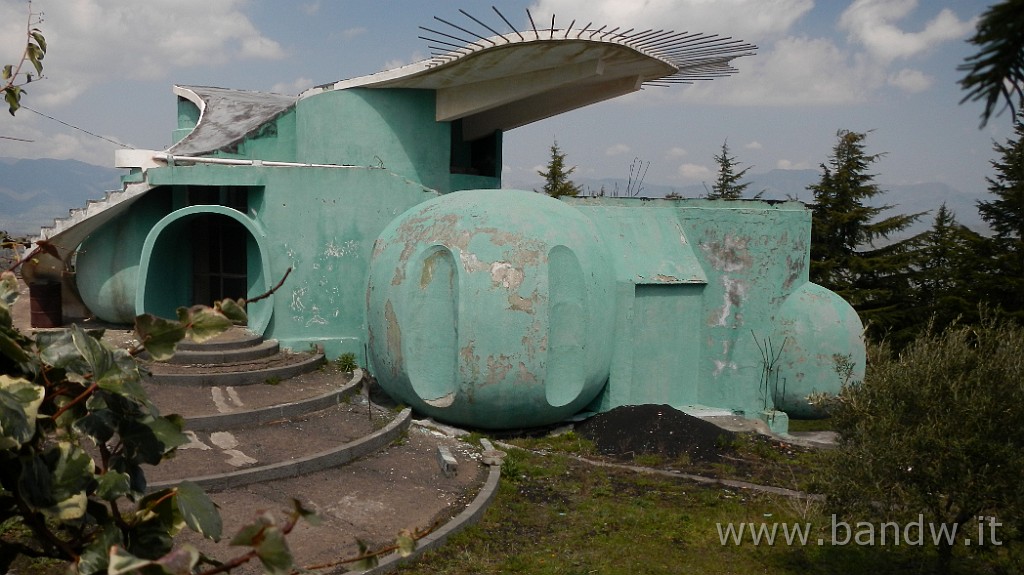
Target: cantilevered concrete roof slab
504 81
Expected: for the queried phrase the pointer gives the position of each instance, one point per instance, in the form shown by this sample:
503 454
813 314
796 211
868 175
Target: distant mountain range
35 192
792 184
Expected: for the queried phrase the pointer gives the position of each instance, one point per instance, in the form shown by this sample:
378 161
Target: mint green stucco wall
489 308
667 301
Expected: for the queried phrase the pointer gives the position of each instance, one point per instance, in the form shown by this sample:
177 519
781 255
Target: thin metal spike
585 28
623 33
605 35
637 35
495 8
668 41
643 36
491 30
551 35
535 33
655 38
466 31
569 29
463 40
597 31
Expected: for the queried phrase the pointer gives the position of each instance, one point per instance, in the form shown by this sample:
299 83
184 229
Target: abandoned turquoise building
379 198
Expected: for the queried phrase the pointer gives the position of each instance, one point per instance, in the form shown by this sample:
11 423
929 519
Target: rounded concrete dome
491 309
821 331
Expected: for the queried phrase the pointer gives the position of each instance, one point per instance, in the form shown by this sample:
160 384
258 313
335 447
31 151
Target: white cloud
694 172
790 165
872 23
748 20
310 8
676 152
296 86
352 33
794 71
95 41
755 145
617 150
912 81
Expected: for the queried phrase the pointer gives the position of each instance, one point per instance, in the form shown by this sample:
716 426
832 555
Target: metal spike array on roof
695 56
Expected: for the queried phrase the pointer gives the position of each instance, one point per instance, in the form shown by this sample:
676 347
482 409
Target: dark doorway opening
219 261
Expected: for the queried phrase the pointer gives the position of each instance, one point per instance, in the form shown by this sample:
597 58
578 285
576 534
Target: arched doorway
201 254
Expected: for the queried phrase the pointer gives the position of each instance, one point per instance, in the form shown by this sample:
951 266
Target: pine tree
728 186
1005 215
947 273
845 235
557 182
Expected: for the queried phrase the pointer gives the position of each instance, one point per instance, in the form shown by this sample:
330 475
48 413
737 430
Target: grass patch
557 515
803 425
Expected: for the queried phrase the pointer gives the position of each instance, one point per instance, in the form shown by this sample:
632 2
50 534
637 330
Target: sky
888 67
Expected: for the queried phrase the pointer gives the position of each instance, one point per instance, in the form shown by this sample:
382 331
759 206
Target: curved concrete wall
488 308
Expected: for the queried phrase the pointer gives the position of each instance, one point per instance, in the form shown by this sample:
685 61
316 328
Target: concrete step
224 407
234 338
286 448
371 499
273 369
198 354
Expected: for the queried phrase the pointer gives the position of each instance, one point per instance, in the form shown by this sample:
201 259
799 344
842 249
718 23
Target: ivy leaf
159 336
180 561
8 285
72 474
365 563
97 356
308 515
273 552
96 556
234 310
121 562
207 323
113 484
8 71
198 511
12 349
19 406
405 543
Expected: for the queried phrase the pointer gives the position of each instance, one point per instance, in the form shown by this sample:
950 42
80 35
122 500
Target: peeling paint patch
444 401
729 255
517 302
721 366
471 263
297 294
498 368
525 376
733 295
506 275
394 337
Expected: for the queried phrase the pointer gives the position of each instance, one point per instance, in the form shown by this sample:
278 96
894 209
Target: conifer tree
1005 215
947 276
851 251
728 186
557 182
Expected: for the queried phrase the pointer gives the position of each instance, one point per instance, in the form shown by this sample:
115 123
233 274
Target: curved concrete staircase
266 426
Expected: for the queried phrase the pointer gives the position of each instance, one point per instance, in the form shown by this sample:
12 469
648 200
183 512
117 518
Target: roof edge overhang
506 81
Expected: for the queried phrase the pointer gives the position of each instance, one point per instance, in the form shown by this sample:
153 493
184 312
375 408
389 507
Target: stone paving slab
192 401
228 450
372 499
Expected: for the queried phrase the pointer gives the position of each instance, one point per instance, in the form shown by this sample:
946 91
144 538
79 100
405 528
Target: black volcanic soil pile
632 430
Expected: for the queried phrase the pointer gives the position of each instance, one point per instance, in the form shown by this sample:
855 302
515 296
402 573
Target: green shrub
935 431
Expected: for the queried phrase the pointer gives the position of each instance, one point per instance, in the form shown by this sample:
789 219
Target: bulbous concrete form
819 333
488 308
